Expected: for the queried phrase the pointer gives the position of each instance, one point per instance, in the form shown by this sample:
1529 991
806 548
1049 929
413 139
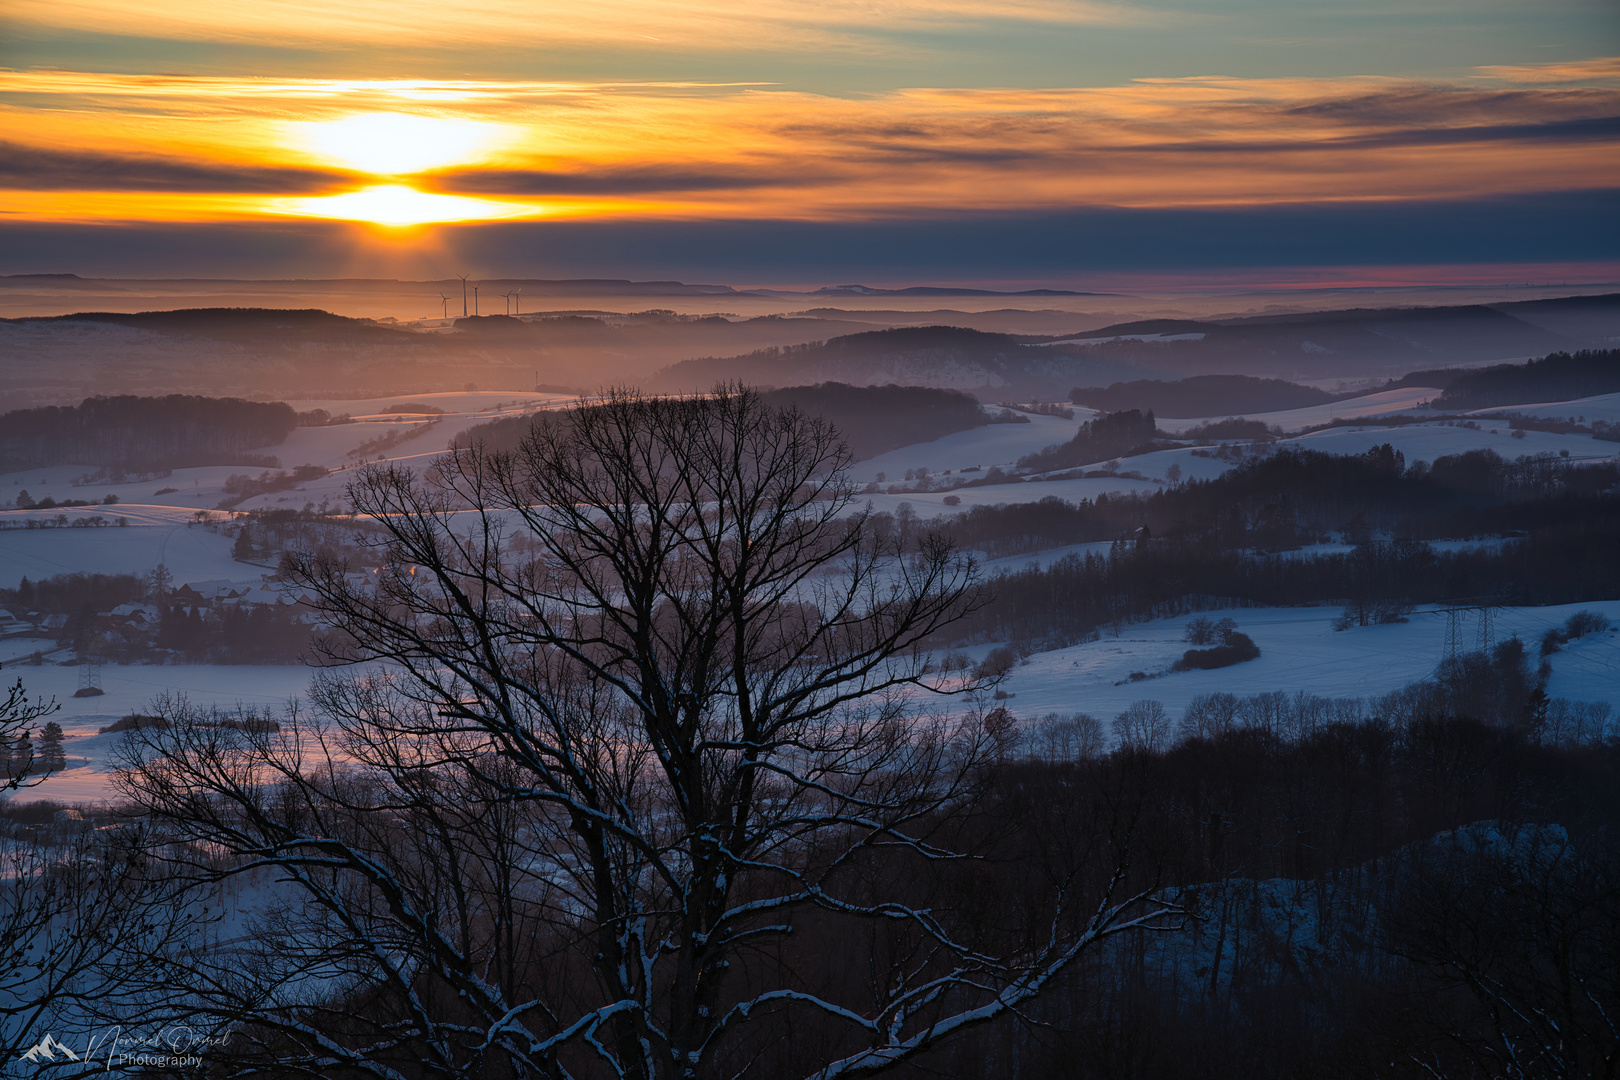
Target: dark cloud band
1569 226
36 169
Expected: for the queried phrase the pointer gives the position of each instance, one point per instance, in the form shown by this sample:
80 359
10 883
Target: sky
784 142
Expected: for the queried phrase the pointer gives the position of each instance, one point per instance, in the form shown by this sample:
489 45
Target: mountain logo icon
48 1049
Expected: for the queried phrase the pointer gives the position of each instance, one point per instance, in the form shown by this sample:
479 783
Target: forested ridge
1203 395
128 432
1231 540
1288 497
1558 376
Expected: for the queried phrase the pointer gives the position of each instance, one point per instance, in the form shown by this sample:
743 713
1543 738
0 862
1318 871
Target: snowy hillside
335 447
192 554
985 447
1385 402
1605 407
1425 442
131 689
1299 650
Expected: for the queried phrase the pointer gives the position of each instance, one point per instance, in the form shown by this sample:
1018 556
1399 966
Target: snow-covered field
330 447
995 444
929 503
1299 650
1604 407
1385 402
1425 442
454 401
191 553
131 688
1003 444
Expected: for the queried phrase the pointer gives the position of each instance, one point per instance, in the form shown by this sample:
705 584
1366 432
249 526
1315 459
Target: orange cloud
233 146
711 24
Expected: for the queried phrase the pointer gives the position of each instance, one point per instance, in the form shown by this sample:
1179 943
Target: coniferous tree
51 756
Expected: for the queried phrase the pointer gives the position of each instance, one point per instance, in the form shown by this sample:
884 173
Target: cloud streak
852 25
730 151
35 168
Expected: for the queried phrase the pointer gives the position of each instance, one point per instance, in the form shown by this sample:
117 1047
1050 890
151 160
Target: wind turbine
517 302
444 302
463 278
475 300
508 298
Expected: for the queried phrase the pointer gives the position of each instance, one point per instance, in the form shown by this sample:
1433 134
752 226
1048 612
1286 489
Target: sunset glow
396 204
841 113
395 144
730 152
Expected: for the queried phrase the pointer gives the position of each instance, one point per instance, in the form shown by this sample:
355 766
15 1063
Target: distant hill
1203 395
935 290
1364 342
1357 342
1591 319
872 419
995 321
233 324
1003 355
877 419
994 367
253 352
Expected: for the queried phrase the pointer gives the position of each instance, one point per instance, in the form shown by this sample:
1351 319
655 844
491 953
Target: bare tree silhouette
643 783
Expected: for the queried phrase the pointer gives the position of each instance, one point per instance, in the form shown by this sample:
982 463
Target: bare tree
640 784
1143 726
18 757
76 904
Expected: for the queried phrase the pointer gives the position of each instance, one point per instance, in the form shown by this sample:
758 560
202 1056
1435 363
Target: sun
397 144
399 205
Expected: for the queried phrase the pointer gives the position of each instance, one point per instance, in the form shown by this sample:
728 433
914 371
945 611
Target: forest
1234 540
1559 376
1290 497
143 434
1202 395
1377 898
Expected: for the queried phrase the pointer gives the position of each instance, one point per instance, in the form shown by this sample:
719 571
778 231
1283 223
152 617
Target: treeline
1233 540
872 419
256 634
66 594
1376 900
1202 395
143 433
1560 376
1052 607
1294 497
